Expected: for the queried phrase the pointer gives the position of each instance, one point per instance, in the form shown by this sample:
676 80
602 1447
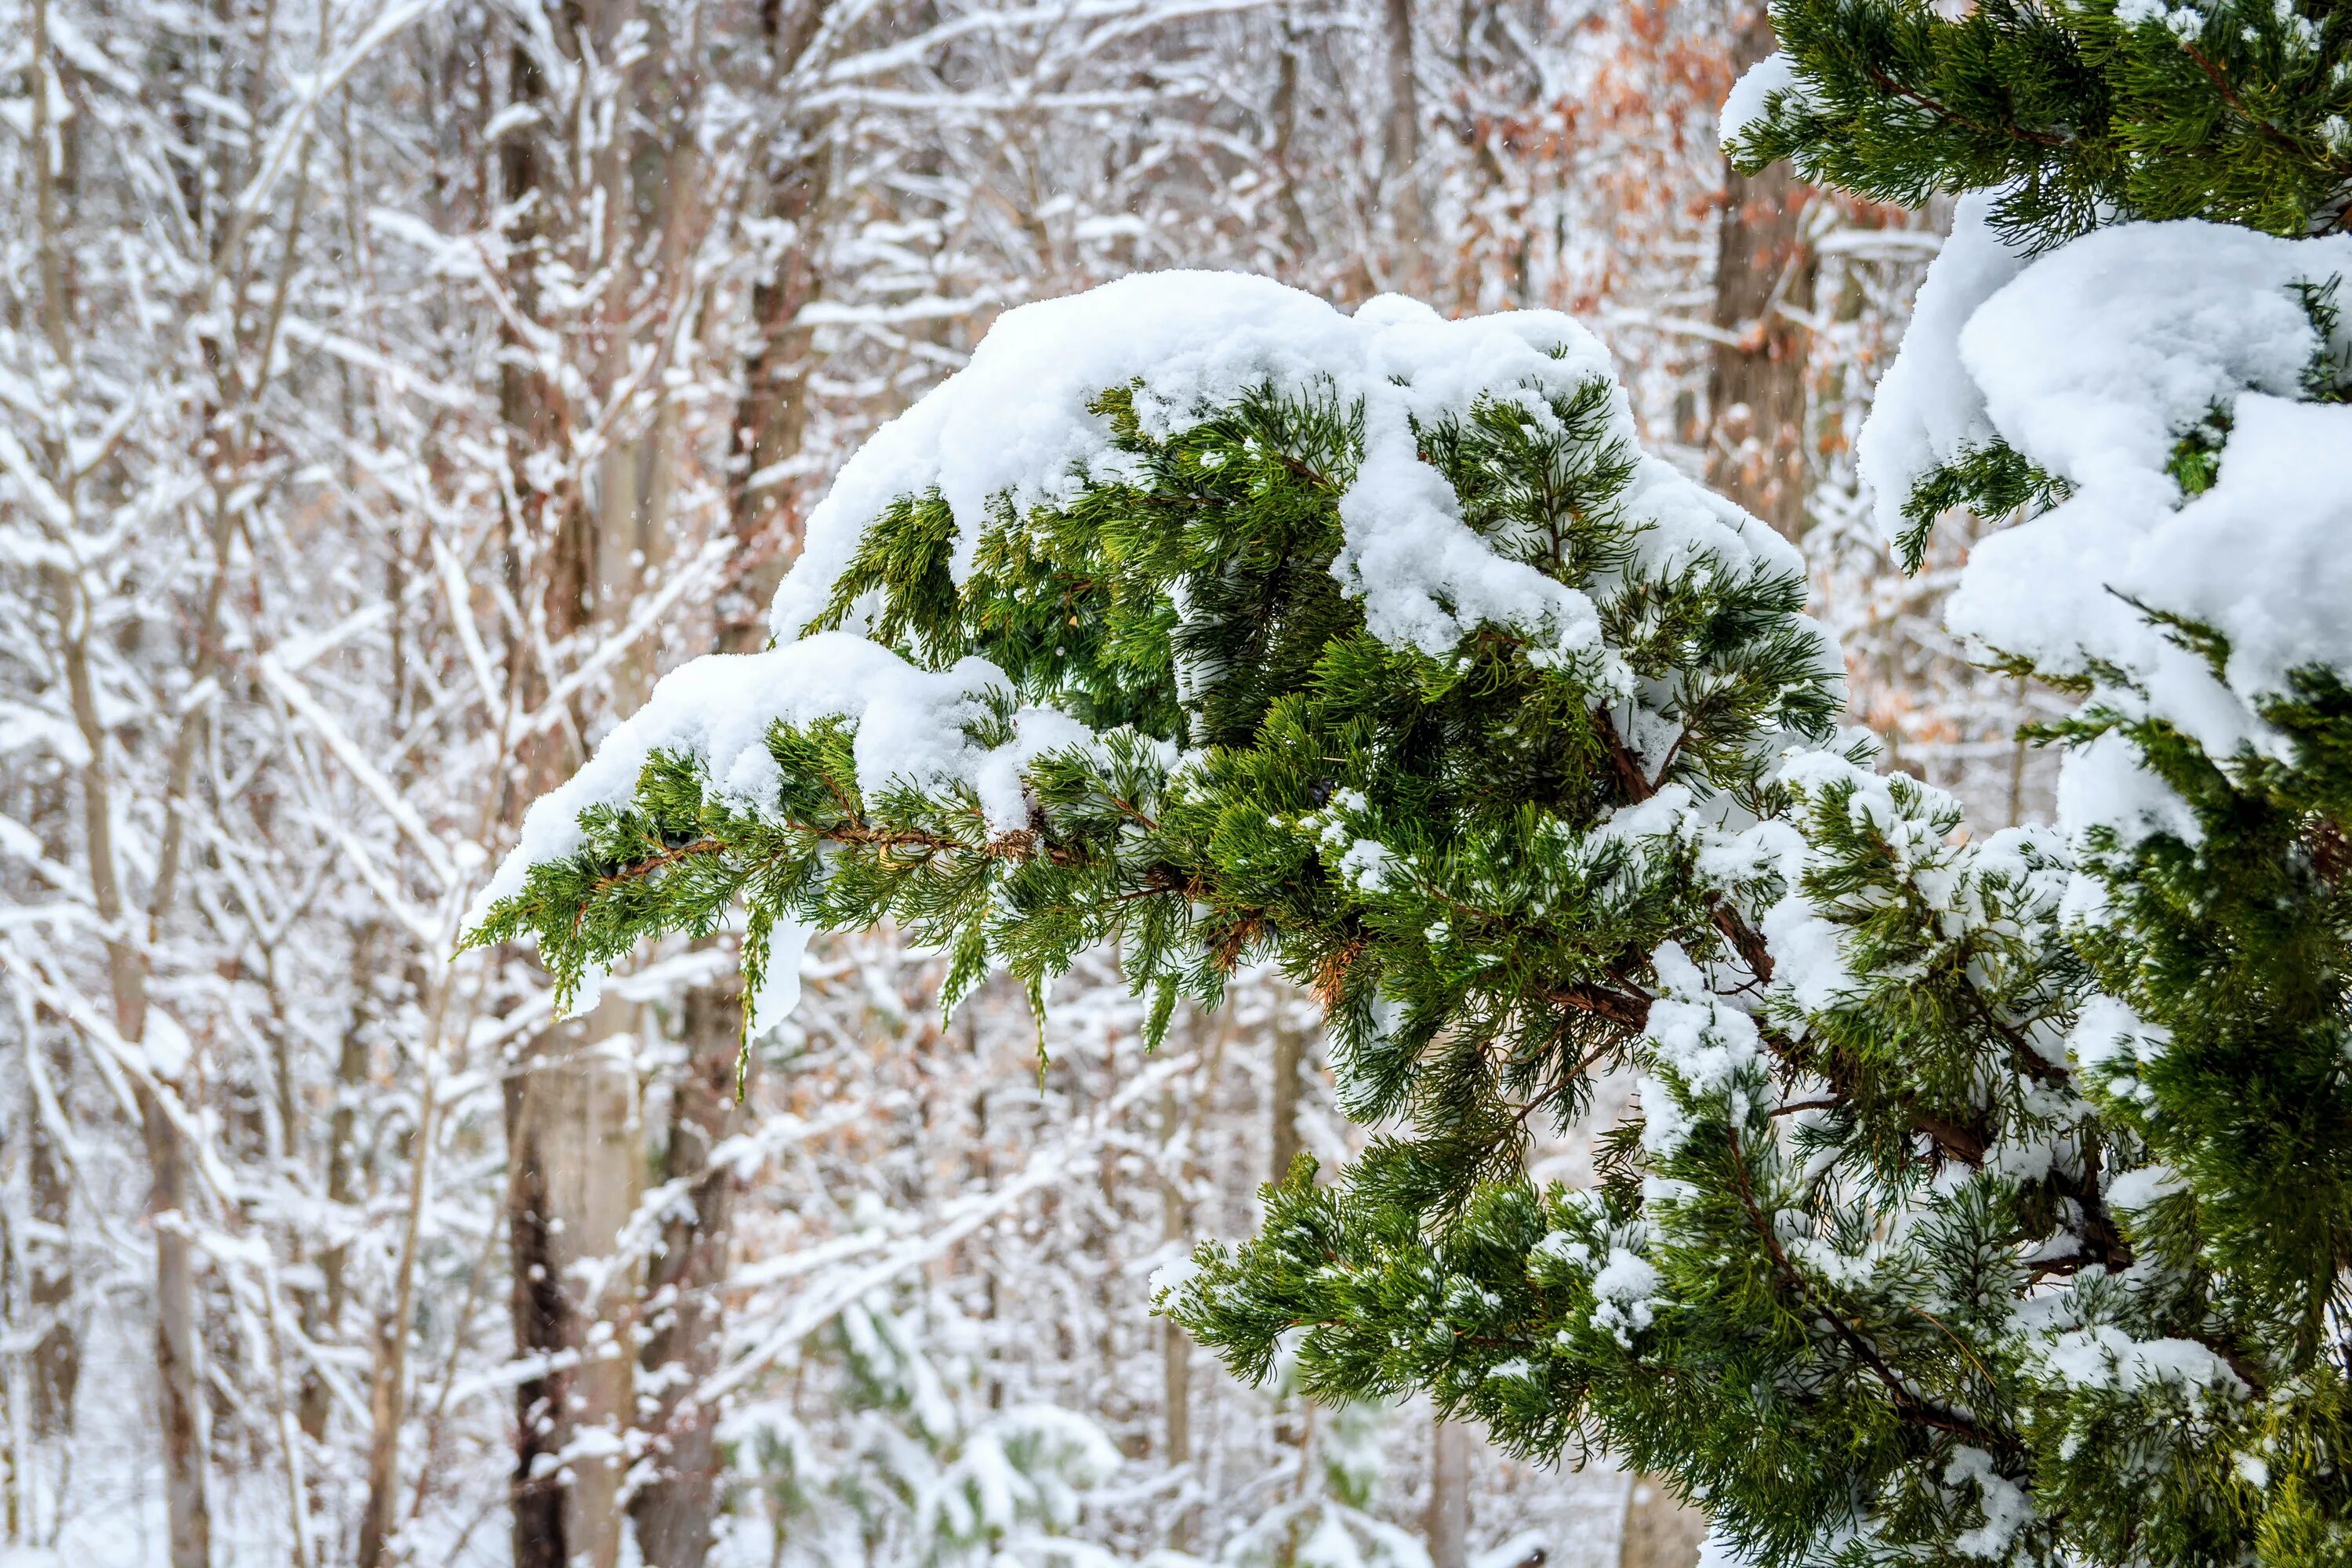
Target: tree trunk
179 1375
1288 1045
541 1322
1763 282
675 1512
1449 1495
1292 1423
1176 1391
48 256
773 413
572 1158
1295 236
15 1374
178 1383
540 1328
48 1288
1175 1345
388 1368
770 419
322 1310
1661 1529
387 1408
1401 157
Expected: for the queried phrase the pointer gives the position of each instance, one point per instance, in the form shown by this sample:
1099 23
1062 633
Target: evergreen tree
1988 1199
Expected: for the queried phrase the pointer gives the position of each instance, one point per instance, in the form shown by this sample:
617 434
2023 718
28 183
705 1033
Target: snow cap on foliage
2107 784
2006 1507
2095 362
1625 1294
1017 427
718 710
1750 101
1707 1047
1927 410
2107 1358
2108 1034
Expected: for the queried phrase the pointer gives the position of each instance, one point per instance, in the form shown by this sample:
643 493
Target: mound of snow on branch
719 709
2096 360
1928 411
1016 427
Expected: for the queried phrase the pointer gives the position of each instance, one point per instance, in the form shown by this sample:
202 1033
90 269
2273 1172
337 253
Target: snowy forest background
389 392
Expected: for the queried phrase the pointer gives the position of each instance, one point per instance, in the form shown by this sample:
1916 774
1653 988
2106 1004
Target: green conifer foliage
2077 115
1414 835
1989 1198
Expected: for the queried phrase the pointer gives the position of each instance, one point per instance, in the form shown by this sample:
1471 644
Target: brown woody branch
1908 1406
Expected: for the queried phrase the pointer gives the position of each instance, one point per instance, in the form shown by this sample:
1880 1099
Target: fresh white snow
1926 409
717 709
2094 361
1750 95
1014 428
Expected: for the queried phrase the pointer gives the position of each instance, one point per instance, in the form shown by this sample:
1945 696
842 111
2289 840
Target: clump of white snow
1365 864
1705 1050
2006 1506
2109 1359
2109 1037
1014 428
779 991
719 709
1927 409
2095 362
2106 785
2140 1188
1751 95
1625 1295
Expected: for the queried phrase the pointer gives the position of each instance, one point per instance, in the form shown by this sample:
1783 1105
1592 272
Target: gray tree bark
178 1367
322 1310
547 1110
574 1147
573 1156
178 1377
1756 379
1401 157
1292 1423
1288 1052
773 413
1175 1345
1297 244
675 1510
50 1286
1661 1529
1449 1495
